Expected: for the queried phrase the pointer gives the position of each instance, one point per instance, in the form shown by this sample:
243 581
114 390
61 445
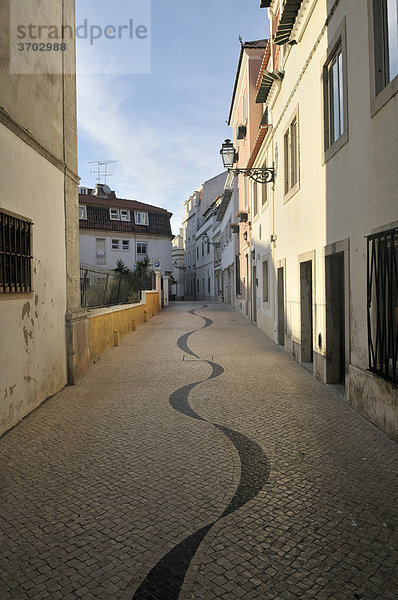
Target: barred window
15 254
383 303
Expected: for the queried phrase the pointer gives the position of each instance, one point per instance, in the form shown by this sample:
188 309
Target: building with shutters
113 229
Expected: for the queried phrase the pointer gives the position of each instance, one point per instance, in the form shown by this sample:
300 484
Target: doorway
254 295
281 306
335 319
247 290
306 312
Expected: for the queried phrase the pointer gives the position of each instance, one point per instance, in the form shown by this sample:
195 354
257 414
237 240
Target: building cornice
26 136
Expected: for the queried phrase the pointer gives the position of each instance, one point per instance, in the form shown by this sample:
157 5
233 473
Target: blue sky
166 128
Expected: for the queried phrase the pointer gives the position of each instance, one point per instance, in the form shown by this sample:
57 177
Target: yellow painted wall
104 322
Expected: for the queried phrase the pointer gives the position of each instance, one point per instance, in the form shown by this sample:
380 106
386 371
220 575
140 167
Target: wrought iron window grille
15 254
382 303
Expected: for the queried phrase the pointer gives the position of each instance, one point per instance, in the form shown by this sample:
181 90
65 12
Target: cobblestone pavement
197 467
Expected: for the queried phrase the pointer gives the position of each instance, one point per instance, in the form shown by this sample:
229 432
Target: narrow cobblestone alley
197 467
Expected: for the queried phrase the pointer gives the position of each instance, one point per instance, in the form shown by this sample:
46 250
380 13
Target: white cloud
157 164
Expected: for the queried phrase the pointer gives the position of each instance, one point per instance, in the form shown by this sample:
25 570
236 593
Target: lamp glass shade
228 154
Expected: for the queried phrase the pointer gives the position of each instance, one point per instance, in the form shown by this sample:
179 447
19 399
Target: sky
164 125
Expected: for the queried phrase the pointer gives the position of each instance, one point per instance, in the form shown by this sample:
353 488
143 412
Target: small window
203 249
264 196
83 213
291 156
141 218
254 196
15 254
142 248
115 244
208 285
100 254
197 252
334 98
114 214
385 16
208 247
125 244
124 215
197 285
265 281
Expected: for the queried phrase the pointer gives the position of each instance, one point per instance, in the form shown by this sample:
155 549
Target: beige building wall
38 171
338 200
245 111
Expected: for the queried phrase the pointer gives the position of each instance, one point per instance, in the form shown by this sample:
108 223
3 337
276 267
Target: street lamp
177 267
206 240
258 174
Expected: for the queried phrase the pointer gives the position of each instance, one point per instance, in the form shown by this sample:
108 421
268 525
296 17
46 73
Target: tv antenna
101 170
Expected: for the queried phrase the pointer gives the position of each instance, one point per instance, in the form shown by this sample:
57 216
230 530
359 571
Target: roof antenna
241 40
101 170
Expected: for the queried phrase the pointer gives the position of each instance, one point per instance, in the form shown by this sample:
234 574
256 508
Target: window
335 95
124 215
246 186
100 255
141 218
264 197
383 304
115 244
291 157
237 275
83 213
385 15
197 285
114 214
208 247
15 254
142 248
208 285
203 249
125 244
265 281
254 196
197 252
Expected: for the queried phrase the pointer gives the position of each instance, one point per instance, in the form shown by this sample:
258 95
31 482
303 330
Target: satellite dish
106 189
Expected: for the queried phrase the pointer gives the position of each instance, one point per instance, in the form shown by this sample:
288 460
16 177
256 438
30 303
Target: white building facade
325 241
113 229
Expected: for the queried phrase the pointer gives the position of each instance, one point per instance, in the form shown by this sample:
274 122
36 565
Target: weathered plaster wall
32 326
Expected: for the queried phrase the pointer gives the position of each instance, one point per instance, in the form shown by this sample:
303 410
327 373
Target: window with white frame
114 214
254 198
265 281
141 218
115 244
124 215
83 213
385 21
335 100
264 196
291 156
125 244
142 248
246 186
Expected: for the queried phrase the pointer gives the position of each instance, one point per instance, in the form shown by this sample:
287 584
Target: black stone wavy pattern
165 579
